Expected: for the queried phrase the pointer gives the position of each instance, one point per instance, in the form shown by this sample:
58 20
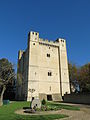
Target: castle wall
22 75
65 86
45 69
39 67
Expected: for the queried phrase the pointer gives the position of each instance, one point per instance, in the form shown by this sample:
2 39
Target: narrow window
35 73
48 73
50 88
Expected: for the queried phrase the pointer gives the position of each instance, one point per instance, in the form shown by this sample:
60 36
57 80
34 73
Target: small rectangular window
49 73
48 55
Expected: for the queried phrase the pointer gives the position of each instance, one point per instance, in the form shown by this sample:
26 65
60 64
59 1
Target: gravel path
83 114
76 115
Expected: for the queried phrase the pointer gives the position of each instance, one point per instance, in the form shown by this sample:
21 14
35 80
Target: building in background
43 68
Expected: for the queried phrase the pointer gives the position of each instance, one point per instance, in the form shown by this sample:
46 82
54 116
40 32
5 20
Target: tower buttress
65 86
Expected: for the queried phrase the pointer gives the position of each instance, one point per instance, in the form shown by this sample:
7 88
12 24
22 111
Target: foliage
80 76
7 72
7 75
43 102
84 78
49 108
73 73
56 106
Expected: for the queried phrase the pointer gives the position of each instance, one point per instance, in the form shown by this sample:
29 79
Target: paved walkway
83 114
76 115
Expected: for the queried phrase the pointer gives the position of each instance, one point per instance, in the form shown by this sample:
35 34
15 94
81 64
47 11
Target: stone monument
36 103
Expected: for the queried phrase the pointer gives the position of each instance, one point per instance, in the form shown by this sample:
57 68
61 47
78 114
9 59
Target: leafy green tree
84 78
80 76
7 75
73 75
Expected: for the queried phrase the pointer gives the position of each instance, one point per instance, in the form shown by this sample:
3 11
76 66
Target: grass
7 112
58 106
41 117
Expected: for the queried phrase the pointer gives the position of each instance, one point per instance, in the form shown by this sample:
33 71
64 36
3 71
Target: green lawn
7 112
58 106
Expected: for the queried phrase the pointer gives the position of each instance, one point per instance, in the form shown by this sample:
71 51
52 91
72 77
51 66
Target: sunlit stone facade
43 67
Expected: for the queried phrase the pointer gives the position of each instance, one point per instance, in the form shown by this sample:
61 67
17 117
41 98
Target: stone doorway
49 97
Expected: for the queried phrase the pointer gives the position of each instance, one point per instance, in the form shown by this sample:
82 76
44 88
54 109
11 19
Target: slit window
50 88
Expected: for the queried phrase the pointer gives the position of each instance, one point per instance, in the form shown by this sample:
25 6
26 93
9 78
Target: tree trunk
1 96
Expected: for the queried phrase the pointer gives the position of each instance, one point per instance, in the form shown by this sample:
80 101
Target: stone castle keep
43 68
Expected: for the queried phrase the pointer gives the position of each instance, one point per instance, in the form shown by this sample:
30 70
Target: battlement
34 36
51 41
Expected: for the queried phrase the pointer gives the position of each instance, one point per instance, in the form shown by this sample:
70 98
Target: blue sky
69 19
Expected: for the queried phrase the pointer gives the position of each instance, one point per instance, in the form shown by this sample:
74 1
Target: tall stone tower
43 67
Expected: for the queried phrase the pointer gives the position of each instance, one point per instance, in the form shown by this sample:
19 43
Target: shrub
43 102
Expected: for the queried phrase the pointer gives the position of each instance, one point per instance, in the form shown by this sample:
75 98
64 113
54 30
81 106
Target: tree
73 77
7 75
84 78
79 77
